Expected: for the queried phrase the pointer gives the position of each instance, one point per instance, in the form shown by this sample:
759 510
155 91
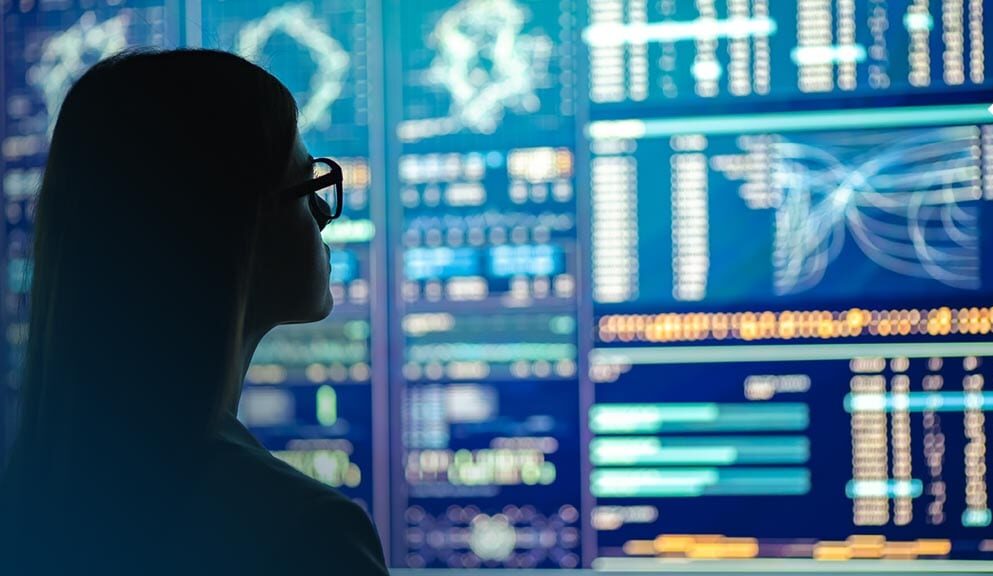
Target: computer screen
621 285
712 55
803 371
788 280
482 121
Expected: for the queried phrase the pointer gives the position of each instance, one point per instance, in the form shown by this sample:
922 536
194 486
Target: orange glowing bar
793 324
673 543
900 550
866 546
832 551
639 548
934 547
729 548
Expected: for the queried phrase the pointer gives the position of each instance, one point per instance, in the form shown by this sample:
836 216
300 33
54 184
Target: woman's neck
249 342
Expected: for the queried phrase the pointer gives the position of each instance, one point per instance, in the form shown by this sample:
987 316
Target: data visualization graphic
885 449
486 64
620 285
489 359
486 258
790 315
656 55
791 215
909 203
472 66
310 393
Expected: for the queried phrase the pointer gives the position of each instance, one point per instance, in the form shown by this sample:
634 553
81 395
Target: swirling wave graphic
908 201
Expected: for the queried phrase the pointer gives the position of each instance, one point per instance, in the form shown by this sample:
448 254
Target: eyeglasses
324 189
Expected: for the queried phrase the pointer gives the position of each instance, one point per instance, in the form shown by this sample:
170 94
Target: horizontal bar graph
977 517
512 352
784 353
766 566
699 451
884 488
791 121
920 402
698 482
698 417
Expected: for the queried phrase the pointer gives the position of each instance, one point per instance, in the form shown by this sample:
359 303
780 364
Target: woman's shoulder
238 459
272 498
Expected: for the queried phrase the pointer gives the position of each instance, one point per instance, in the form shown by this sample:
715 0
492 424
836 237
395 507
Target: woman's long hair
145 227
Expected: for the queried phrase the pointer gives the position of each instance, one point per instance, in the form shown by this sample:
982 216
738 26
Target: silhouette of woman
178 221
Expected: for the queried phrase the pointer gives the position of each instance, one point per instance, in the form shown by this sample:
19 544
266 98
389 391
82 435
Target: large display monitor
483 197
622 285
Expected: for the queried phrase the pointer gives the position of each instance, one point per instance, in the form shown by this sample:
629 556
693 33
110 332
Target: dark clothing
241 512
281 520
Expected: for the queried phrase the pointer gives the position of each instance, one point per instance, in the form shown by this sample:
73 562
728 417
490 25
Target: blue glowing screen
620 284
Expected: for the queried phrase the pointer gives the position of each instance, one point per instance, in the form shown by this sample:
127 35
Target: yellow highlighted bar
674 543
934 547
701 546
794 324
738 548
866 546
639 548
855 547
900 551
832 551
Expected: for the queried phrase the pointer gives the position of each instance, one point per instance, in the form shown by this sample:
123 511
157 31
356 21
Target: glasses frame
333 179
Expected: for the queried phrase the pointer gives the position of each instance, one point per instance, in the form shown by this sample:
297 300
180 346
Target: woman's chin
323 309
315 313
328 305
